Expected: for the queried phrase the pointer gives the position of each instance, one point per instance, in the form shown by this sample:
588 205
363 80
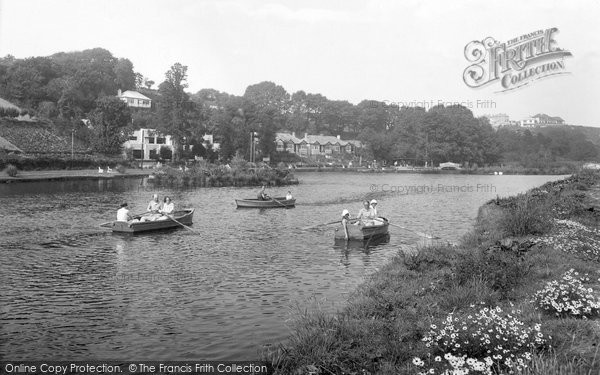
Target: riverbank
519 294
65 175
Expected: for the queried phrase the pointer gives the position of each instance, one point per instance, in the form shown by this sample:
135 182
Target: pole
72 131
142 134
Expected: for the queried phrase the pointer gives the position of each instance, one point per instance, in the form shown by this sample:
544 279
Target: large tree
175 110
109 120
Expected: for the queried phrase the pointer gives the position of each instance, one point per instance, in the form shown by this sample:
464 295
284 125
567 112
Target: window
150 140
132 138
161 140
137 154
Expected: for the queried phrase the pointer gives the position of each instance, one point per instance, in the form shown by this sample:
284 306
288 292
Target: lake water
74 291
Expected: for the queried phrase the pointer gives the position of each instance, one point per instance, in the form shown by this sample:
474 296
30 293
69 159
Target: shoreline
70 175
520 250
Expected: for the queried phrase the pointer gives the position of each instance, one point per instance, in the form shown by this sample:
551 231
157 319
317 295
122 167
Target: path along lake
71 290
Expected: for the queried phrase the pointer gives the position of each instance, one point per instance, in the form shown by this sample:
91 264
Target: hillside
35 138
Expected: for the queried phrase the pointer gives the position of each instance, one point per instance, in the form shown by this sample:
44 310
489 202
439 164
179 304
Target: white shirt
123 214
168 208
153 205
288 196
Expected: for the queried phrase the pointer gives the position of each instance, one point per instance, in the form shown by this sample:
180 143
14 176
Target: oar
273 199
410 230
183 225
331 222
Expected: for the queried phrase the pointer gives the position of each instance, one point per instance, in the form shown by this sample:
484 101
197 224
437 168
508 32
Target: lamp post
142 140
72 136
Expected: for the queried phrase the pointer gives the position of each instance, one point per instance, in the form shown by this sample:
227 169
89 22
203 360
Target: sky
407 52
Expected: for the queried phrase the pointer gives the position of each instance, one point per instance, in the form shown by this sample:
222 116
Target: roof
324 139
7 146
134 95
287 137
6 104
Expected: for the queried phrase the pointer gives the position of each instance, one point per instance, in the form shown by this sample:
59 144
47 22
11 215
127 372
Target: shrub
526 215
568 297
11 170
120 168
503 271
488 340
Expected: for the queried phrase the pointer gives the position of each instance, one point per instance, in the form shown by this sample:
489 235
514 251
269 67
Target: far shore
70 174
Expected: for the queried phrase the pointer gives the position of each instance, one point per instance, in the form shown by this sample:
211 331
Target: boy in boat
262 196
123 213
364 215
288 196
167 208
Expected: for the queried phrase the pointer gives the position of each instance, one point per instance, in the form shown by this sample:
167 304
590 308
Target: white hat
345 212
373 201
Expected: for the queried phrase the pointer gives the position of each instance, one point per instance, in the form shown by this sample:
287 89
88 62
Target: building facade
146 143
134 99
315 145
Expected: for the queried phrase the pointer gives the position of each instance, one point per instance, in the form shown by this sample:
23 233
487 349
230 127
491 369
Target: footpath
62 175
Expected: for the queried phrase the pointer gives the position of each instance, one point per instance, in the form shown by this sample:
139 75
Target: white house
135 99
146 143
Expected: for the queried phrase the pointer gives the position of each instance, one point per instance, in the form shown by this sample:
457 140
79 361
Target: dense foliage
65 88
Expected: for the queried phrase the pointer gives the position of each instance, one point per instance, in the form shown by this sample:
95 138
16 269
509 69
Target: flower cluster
487 340
576 238
568 296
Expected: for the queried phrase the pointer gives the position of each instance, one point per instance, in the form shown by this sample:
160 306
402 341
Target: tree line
68 87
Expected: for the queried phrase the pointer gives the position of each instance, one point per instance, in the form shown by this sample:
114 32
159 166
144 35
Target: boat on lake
178 218
277 202
363 232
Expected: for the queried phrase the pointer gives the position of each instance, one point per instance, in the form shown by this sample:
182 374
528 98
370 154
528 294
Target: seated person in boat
345 222
262 196
154 208
123 213
374 214
167 209
364 215
288 196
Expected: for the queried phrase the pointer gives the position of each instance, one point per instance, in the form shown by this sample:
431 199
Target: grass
386 320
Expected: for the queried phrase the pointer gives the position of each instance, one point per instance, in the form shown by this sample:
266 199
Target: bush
502 271
11 170
568 297
489 339
120 168
526 215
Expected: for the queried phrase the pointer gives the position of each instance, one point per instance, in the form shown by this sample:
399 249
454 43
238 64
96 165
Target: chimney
119 93
338 137
294 134
305 135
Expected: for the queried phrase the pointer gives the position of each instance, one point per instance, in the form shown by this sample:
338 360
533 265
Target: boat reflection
364 246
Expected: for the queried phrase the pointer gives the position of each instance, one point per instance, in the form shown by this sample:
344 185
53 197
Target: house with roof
315 145
134 99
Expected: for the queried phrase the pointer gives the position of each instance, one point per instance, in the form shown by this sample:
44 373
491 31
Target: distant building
315 145
209 140
134 99
541 120
146 143
499 119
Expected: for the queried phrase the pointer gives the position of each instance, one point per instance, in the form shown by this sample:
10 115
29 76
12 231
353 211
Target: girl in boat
364 215
345 222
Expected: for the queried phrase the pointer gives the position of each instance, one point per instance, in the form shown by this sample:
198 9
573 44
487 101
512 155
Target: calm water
73 291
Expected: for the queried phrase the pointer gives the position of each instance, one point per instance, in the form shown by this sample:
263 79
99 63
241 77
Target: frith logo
515 63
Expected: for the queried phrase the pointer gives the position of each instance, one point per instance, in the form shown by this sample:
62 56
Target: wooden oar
183 225
331 222
273 199
410 230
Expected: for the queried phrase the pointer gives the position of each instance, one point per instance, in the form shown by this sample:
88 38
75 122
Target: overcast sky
396 51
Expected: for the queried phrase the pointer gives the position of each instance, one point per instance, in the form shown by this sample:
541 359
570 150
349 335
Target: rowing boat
363 232
179 218
278 202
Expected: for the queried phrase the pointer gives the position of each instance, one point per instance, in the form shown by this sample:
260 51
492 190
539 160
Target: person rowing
123 213
262 195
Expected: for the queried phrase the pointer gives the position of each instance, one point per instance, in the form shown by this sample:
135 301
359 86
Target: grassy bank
520 294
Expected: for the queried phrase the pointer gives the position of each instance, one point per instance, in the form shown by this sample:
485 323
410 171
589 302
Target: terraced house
311 146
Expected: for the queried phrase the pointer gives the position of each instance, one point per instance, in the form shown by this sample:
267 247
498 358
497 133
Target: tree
125 77
110 120
175 110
